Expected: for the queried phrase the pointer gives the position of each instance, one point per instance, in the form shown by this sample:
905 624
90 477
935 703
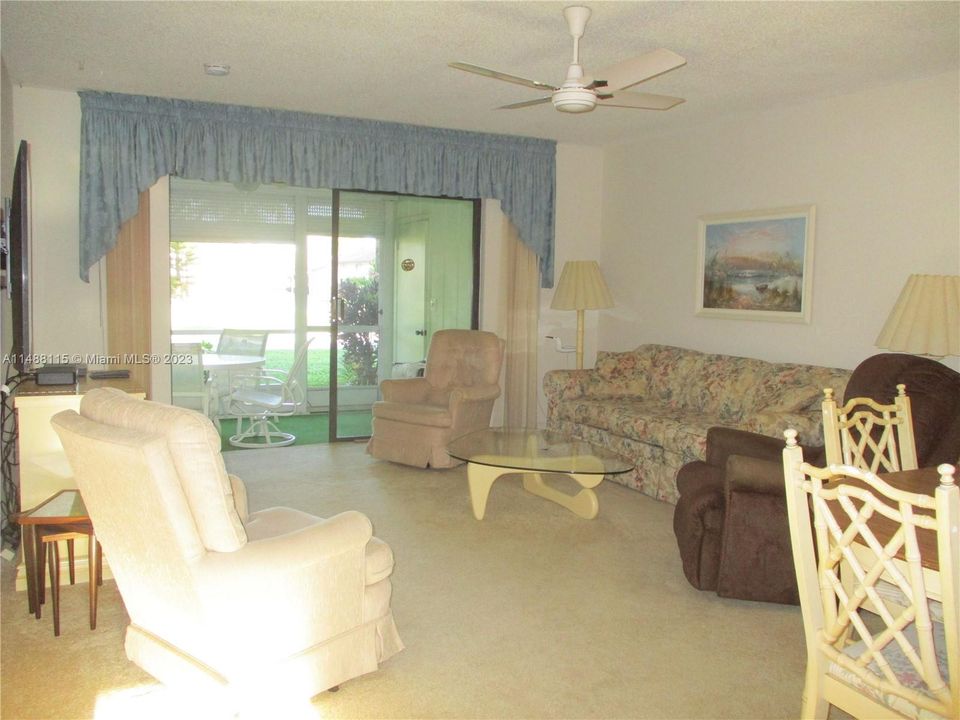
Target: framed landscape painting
757 265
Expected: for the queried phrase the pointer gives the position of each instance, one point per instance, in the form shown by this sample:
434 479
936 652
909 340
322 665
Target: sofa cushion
619 374
726 386
789 388
195 448
677 430
901 667
719 386
681 379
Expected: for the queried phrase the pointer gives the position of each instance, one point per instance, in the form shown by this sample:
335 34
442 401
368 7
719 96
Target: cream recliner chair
418 417
274 603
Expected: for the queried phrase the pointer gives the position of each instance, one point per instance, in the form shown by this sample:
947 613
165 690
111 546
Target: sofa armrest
753 475
239 497
316 573
475 393
286 553
470 407
809 426
722 442
564 385
405 390
756 562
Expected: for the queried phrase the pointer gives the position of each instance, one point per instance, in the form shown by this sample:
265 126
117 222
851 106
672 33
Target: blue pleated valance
128 142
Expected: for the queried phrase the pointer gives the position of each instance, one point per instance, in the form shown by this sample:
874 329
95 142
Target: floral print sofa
655 404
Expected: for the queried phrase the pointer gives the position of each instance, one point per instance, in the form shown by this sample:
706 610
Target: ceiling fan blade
636 70
526 103
487 72
643 101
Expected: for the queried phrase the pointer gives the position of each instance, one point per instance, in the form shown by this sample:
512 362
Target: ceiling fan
579 93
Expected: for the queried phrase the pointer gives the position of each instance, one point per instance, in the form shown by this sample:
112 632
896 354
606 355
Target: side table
62 516
43 464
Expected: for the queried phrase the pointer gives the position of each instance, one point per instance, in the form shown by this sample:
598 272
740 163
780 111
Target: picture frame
757 265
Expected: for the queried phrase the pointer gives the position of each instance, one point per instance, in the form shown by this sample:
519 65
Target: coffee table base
584 503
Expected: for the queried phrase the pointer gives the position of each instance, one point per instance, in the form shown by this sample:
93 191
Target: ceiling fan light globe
574 100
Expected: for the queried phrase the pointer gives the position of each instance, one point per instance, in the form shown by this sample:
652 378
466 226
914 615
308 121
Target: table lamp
581 287
926 317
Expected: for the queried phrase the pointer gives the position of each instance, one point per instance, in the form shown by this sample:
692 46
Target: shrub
361 307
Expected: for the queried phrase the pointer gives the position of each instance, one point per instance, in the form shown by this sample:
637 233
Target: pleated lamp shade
926 318
581 287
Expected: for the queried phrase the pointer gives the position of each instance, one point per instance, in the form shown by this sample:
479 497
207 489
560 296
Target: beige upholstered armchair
276 601
418 417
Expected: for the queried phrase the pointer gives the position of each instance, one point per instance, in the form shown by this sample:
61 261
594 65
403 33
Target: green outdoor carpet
309 429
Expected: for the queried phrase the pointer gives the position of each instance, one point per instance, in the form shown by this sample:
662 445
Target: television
18 263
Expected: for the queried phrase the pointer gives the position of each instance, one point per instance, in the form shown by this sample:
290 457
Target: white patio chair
190 382
233 342
258 398
242 342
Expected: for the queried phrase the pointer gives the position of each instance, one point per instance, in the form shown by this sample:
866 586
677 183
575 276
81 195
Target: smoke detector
216 70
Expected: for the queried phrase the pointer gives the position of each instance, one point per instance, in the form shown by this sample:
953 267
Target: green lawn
318 366
309 429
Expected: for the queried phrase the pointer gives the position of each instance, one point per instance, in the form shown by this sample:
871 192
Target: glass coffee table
494 452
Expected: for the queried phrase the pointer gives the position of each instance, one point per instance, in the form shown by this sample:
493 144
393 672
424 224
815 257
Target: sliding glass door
351 300
403 268
365 277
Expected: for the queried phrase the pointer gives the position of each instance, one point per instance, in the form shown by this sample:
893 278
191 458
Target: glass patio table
494 452
221 361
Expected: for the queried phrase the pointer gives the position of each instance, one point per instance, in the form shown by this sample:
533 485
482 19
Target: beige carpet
531 613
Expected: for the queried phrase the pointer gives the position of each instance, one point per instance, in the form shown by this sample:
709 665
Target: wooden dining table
923 481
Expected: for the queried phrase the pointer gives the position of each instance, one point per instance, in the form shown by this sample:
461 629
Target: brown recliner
419 417
731 518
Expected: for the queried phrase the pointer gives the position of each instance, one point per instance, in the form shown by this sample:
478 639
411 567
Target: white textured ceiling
388 60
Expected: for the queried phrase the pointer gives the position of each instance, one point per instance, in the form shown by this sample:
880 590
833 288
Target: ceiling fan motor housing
573 96
574 99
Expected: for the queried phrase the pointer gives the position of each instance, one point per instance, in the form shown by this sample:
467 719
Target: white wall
881 166
6 131
7 162
66 311
579 234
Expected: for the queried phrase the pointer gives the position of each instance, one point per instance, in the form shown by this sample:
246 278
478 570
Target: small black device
108 374
57 375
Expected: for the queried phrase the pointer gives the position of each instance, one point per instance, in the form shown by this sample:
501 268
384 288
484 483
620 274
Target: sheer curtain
520 274
128 296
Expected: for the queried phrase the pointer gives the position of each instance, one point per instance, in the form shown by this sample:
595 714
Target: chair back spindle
870 435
